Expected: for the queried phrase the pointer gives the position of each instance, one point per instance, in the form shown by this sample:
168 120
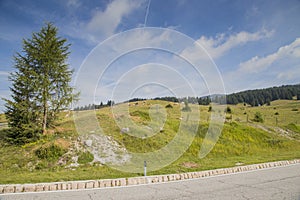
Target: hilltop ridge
253 97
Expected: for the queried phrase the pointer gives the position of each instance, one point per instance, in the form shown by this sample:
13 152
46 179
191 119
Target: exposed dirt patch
190 165
65 144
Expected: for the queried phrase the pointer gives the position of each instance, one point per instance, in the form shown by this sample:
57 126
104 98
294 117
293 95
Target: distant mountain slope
265 96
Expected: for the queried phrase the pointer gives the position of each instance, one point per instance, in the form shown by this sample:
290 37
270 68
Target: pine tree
41 84
50 54
21 110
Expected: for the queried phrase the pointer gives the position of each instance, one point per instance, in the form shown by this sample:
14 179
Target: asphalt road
274 183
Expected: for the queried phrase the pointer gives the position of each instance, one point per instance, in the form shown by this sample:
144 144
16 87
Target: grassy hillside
62 154
2 118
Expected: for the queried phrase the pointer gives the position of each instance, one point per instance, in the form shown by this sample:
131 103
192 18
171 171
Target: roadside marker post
145 168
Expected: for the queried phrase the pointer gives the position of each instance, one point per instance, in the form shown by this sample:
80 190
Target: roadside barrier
121 182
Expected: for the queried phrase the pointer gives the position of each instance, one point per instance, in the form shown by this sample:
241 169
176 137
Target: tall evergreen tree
21 110
50 54
41 84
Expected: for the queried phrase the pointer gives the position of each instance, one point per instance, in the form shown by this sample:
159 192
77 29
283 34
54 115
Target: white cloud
216 47
99 61
257 64
280 67
205 79
221 44
105 22
108 62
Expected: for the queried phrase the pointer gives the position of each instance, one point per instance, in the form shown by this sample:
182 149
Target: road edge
121 182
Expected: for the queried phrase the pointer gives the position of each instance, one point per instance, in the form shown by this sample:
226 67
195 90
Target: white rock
88 143
125 130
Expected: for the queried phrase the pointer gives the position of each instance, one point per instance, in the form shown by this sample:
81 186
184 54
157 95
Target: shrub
85 157
229 117
228 110
258 117
41 165
276 113
50 152
22 135
169 106
209 109
293 127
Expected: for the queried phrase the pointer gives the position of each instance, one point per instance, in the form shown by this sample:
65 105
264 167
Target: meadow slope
64 154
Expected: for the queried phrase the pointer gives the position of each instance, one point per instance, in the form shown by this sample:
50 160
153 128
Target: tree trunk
45 119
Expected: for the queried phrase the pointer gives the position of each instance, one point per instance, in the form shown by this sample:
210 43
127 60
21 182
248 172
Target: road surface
273 183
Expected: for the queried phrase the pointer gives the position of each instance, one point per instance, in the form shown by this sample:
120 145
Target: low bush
85 157
50 152
169 106
258 117
228 110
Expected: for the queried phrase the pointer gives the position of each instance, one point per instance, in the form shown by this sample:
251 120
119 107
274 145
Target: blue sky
254 44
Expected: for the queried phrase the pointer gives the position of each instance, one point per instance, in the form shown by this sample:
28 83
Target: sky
146 48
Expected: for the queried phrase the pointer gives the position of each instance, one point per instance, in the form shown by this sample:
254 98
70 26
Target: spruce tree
41 84
50 53
21 110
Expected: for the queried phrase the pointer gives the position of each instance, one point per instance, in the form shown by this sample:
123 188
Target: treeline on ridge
264 96
252 97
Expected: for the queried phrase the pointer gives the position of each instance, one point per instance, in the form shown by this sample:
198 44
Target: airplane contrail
147 13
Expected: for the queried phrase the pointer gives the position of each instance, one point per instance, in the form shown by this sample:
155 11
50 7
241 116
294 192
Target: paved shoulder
272 183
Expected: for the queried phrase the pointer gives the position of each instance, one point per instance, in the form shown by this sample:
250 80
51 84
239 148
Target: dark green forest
264 96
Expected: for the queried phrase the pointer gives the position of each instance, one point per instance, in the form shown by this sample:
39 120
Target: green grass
85 157
293 127
284 109
60 174
241 141
2 118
